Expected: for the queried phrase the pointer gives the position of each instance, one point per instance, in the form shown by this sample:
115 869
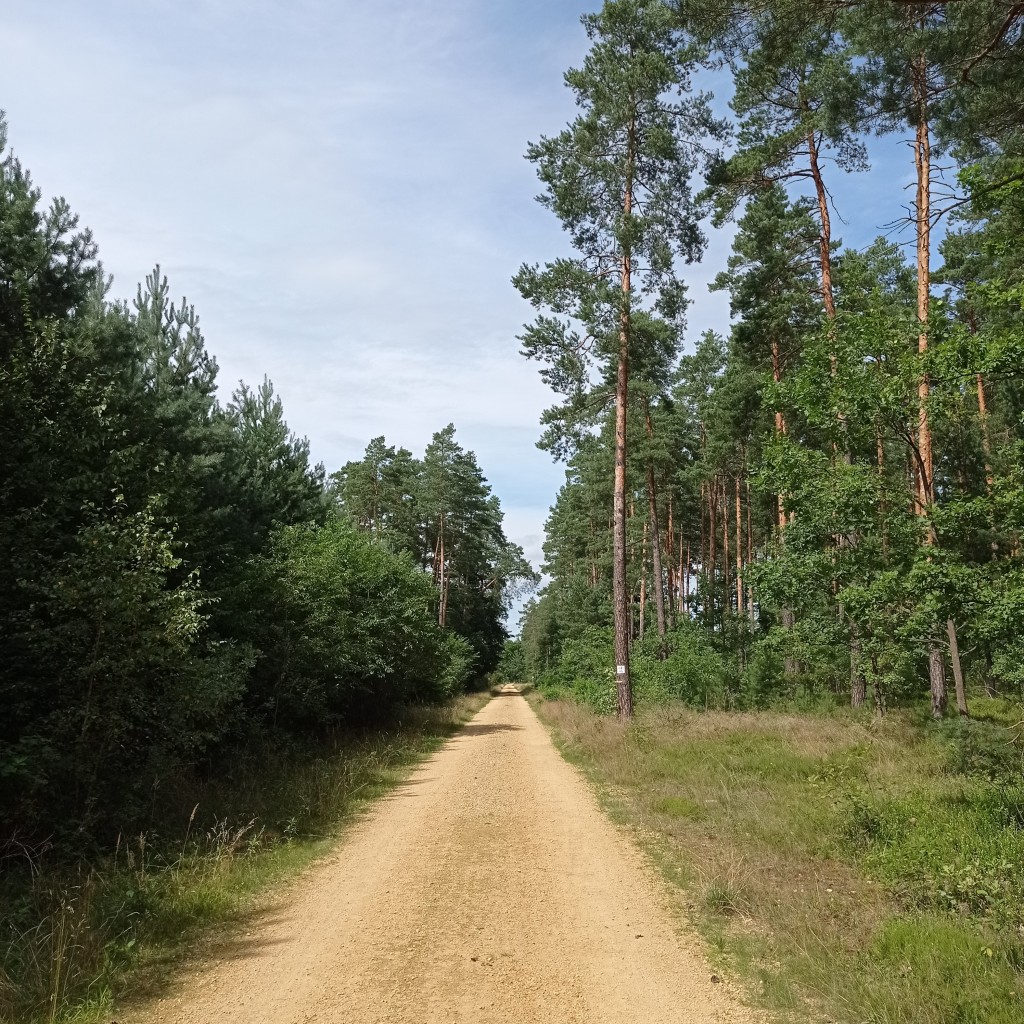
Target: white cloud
338 187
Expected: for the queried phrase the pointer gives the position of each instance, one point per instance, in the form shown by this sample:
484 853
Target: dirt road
488 888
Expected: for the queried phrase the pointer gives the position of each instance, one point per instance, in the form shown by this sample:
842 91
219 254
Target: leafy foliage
175 577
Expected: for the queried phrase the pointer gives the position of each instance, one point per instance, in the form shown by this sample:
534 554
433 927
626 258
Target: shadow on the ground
485 728
240 936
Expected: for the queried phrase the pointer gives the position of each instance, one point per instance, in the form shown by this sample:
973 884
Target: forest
178 577
826 502
780 619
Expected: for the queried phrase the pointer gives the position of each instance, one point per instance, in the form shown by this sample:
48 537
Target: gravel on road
489 887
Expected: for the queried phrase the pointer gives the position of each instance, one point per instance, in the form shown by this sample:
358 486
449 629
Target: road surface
488 888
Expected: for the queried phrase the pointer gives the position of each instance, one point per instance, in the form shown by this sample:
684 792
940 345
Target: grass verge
849 869
74 940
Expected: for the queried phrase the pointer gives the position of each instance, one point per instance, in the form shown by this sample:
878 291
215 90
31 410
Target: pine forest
775 622
824 502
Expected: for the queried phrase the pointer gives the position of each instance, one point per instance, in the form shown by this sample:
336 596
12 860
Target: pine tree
618 179
277 484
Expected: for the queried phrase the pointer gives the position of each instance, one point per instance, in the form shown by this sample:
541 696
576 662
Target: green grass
848 869
75 940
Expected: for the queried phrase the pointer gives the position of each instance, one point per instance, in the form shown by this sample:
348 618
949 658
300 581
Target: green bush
344 629
584 670
679 666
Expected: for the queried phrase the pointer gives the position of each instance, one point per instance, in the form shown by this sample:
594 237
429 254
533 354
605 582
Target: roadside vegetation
848 868
212 648
73 938
794 548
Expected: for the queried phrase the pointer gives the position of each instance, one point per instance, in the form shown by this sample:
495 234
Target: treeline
176 576
829 500
439 512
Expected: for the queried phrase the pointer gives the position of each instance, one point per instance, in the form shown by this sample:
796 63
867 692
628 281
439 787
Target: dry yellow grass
748 812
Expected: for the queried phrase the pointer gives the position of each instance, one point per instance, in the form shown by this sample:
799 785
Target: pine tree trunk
726 567
657 577
986 446
883 510
750 552
937 679
922 161
780 424
442 607
786 615
825 234
712 537
740 602
620 599
670 558
643 588
926 484
858 684
685 572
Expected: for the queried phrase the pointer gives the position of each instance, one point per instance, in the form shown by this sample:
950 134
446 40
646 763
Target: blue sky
339 188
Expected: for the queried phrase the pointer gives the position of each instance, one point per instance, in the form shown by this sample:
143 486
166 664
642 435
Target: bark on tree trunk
825 235
439 572
857 681
740 602
986 446
685 570
657 579
958 674
442 609
926 483
882 504
726 567
922 162
673 582
712 552
620 600
786 616
780 424
643 586
937 679
750 552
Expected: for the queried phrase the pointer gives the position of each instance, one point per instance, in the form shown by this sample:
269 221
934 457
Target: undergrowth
74 938
855 870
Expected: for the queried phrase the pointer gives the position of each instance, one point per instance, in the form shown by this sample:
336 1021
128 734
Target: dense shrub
175 576
343 627
682 666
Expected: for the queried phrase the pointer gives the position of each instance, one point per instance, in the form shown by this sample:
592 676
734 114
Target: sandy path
488 888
